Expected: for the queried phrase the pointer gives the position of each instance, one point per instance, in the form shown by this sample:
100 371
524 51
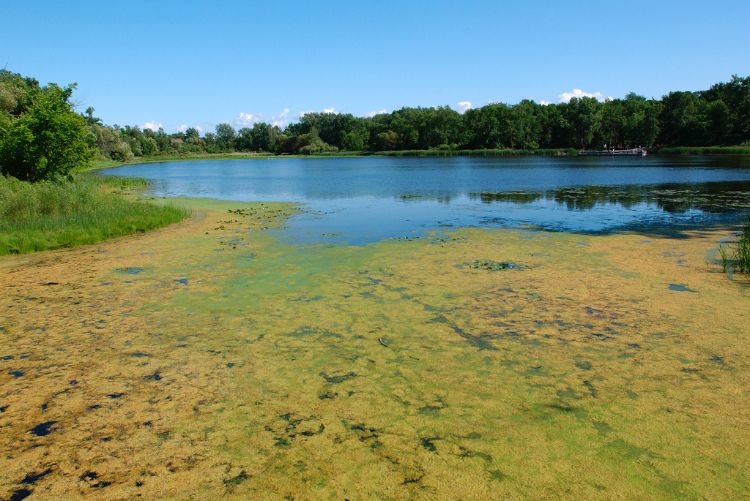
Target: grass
738 258
88 209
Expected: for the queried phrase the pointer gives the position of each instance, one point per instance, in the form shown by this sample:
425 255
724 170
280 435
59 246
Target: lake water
366 199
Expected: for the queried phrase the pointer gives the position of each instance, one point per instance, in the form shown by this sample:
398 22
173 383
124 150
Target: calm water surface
365 199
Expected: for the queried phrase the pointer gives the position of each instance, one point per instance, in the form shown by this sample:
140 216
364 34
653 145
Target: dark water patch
7 357
433 408
468 453
139 354
19 494
367 434
564 408
130 270
480 342
568 393
93 407
584 365
230 365
717 359
590 386
43 407
33 477
498 476
43 429
92 479
602 427
16 374
182 281
156 376
115 396
328 395
428 443
337 378
634 346
680 288
593 312
237 479
3 408
283 436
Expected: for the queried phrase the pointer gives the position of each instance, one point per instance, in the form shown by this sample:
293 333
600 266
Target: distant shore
556 152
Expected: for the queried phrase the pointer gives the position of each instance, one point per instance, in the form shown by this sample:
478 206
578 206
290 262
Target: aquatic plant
737 258
88 209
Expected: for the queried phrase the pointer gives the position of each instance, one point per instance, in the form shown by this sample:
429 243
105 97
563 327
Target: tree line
39 128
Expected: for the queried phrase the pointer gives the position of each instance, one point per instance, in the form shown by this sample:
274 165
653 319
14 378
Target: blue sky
202 63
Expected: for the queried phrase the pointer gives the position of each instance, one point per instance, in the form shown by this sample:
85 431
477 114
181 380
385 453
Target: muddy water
211 359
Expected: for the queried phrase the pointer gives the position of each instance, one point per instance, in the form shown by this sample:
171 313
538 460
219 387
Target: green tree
48 139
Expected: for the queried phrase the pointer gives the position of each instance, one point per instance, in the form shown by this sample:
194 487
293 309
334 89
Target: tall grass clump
54 214
738 258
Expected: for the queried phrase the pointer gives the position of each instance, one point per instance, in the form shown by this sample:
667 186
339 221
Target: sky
175 64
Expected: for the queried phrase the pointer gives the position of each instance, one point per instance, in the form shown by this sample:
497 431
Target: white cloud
544 103
282 119
565 97
184 127
376 112
464 106
246 119
324 110
154 126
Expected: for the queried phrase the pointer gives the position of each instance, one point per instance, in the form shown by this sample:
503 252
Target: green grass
90 208
738 257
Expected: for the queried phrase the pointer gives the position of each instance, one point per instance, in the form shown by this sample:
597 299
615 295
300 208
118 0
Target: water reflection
717 198
367 199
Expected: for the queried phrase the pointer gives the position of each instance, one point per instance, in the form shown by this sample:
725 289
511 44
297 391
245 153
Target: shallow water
367 199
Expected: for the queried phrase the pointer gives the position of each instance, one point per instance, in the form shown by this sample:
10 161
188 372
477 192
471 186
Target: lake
366 199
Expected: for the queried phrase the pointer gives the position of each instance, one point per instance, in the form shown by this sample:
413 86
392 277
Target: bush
47 140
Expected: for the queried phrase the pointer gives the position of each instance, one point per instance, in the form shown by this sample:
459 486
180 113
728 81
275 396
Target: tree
225 136
47 140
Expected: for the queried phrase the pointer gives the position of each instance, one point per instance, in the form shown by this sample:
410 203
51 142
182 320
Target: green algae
497 384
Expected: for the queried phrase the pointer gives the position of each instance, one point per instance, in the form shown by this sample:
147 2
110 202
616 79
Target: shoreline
561 152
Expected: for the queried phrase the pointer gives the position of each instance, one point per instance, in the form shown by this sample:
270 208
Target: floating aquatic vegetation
490 265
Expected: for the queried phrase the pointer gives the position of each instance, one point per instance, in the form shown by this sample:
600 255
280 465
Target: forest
719 116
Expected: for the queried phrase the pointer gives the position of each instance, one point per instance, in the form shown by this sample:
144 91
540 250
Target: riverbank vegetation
44 202
737 255
87 209
713 121
719 116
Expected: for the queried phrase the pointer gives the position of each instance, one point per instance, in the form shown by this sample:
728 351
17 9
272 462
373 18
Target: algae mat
210 360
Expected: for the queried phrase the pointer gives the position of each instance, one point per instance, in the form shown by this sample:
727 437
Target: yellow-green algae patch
209 359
